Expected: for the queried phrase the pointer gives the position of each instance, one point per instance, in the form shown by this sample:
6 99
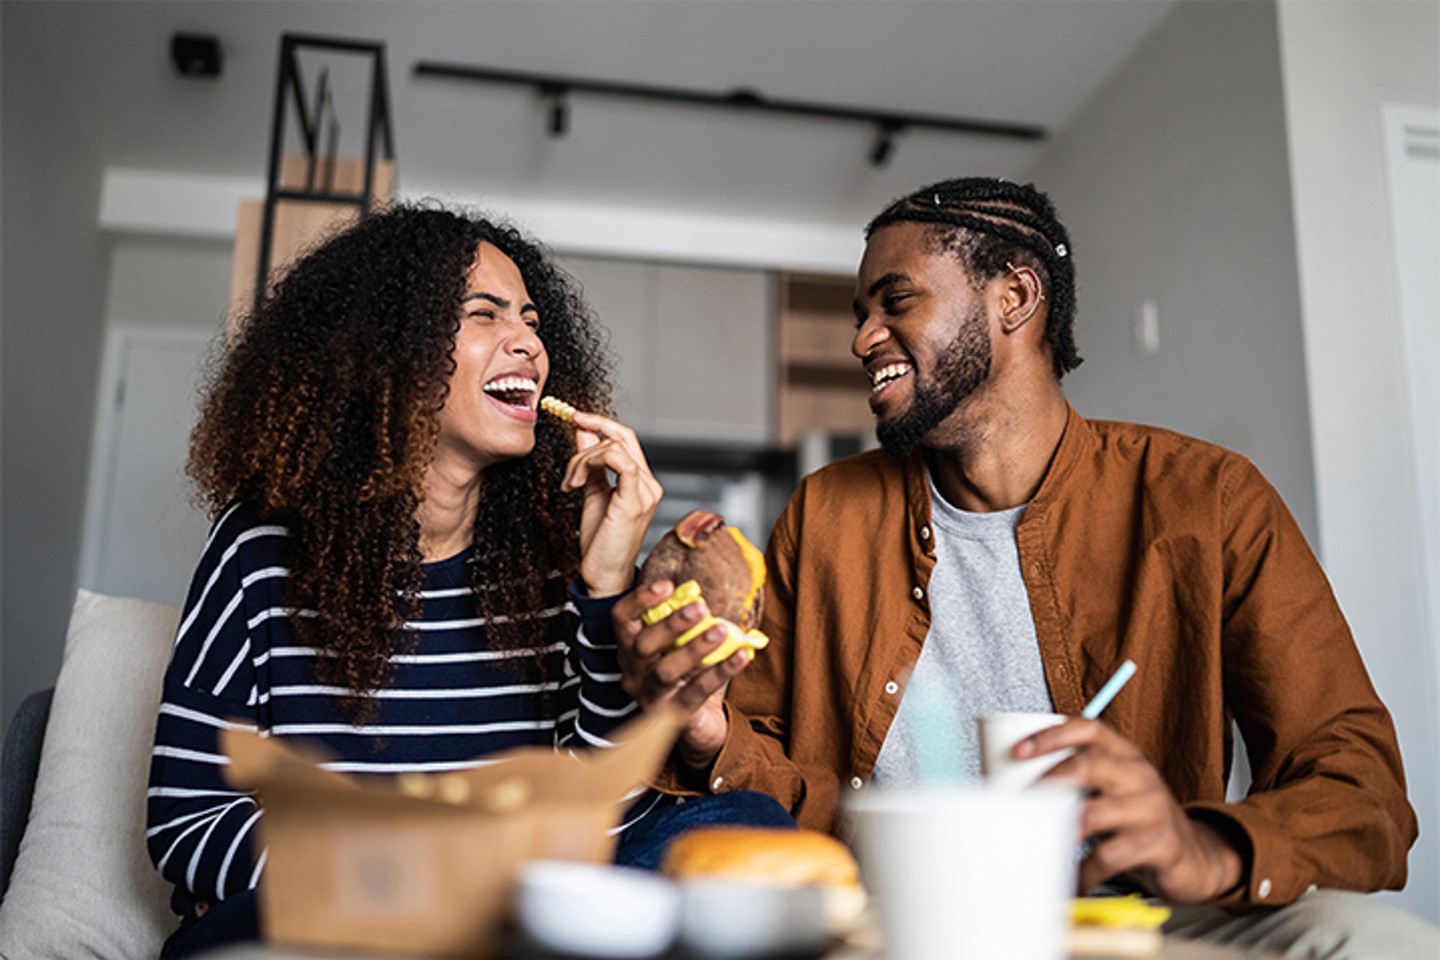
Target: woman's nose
526 341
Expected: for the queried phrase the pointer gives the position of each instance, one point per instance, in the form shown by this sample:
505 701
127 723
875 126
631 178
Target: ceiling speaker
196 54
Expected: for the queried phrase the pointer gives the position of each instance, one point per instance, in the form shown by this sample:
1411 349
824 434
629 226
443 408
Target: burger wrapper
370 865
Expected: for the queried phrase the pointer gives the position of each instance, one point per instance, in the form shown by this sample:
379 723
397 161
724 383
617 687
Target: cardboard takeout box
427 865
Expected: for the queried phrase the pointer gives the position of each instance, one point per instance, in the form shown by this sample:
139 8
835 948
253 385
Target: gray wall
1342 62
52 300
1174 185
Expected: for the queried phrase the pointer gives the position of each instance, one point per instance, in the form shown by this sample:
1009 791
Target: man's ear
1021 298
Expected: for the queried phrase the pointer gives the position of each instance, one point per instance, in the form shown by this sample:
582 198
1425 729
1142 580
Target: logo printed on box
382 872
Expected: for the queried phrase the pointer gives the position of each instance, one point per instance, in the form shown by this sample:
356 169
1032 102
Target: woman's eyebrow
500 302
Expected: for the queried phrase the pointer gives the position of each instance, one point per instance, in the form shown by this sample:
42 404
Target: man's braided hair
988 224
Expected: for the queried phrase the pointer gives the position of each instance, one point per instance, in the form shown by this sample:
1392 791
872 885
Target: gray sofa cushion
83 884
18 769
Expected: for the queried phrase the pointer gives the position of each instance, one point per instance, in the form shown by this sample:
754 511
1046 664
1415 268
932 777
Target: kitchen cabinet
692 347
821 385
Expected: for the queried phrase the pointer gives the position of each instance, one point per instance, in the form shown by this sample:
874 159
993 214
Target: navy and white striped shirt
450 701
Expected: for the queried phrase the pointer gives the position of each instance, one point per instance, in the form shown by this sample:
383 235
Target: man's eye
894 301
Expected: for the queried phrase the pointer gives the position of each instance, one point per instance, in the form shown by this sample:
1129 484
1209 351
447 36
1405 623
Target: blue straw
1107 693
939 750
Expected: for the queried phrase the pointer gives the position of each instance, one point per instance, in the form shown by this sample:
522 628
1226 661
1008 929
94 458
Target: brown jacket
1140 543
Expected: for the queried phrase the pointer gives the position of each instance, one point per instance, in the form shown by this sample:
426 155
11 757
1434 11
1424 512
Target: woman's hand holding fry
615 517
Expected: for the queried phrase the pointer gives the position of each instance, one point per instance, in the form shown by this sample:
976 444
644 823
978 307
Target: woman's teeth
885 374
515 391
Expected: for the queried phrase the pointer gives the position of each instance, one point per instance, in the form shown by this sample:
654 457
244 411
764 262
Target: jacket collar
1075 444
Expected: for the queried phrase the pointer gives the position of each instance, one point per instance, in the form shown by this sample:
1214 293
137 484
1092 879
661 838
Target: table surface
1173 949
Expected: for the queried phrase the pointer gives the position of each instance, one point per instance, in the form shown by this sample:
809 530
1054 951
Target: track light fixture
559 122
885 132
887 123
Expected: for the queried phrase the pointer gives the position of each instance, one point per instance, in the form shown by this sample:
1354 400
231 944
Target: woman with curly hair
408 566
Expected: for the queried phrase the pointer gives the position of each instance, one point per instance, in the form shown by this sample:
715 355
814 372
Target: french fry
558 408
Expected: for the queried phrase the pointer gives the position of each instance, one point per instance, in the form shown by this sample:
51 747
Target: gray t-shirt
981 655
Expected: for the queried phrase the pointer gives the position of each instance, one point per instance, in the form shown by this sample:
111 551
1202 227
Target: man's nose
870 333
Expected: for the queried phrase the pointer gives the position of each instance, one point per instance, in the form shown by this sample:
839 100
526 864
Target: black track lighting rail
887 123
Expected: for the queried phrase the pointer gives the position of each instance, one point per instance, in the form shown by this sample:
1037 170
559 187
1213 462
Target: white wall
168 282
1342 61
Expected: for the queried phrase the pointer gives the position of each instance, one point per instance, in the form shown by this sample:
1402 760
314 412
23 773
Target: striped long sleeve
200 830
452 700
601 704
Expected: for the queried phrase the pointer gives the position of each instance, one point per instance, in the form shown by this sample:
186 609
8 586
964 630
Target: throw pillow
83 884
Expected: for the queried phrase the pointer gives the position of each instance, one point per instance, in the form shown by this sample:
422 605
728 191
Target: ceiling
1027 61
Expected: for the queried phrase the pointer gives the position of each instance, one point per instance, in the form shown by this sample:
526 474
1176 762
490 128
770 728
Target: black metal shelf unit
314 119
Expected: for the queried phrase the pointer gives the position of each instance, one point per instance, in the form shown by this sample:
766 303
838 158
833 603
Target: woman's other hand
615 518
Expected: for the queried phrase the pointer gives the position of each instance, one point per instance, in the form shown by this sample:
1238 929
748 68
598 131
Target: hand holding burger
690 626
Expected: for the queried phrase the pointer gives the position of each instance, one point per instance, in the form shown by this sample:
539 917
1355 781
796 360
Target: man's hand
655 672
1137 826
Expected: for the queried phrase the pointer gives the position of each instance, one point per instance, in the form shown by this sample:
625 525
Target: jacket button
716 783
1263 890
918 594
924 533
891 686
856 783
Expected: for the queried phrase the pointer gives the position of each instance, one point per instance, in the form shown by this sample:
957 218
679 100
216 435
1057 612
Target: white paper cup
970 872
999 732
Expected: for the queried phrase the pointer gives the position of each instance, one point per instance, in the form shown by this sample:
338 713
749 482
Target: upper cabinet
709 354
822 387
691 345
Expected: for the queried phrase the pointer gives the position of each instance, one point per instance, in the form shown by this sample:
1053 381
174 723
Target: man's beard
959 371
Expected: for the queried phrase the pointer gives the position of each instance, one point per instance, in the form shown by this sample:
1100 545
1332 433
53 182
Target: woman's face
500 368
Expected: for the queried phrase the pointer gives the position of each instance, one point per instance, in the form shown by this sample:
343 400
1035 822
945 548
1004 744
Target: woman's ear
1021 297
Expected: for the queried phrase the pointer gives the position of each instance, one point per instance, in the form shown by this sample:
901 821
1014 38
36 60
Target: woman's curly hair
324 414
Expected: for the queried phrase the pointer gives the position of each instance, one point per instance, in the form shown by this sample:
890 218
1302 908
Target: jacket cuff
677 779
1267 877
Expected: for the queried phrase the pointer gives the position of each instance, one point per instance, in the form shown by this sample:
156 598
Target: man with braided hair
1008 551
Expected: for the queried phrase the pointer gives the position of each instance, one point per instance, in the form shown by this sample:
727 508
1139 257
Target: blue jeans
643 845
236 920
233 920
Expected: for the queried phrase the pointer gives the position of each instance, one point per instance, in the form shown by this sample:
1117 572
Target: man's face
923 334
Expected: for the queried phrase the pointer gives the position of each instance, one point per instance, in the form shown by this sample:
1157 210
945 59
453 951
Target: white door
1412 148
142 535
